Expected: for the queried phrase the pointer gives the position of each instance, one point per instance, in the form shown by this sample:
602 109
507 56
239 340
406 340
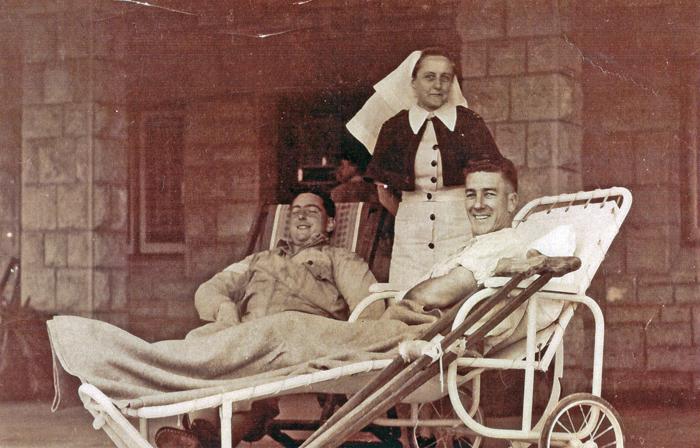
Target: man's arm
215 299
444 291
353 279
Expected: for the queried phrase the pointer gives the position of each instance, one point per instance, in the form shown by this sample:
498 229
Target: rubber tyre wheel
574 406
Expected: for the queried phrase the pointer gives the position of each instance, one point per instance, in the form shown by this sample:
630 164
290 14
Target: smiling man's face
308 218
490 202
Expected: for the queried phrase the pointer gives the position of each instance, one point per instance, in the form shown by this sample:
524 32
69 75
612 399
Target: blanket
215 358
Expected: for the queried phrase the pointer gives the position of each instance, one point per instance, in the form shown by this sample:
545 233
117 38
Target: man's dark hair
433 51
499 165
328 204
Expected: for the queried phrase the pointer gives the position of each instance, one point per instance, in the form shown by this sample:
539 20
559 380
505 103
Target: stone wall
523 76
649 283
10 138
74 170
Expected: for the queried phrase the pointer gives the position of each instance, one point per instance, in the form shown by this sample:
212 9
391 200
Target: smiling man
490 200
302 273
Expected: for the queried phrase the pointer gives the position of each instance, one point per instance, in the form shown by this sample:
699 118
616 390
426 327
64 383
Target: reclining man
491 199
302 274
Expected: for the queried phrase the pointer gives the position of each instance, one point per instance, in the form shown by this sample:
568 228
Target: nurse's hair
433 51
496 165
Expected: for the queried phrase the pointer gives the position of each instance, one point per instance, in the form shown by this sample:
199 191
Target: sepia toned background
138 139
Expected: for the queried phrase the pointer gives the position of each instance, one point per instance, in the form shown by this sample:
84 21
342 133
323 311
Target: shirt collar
447 113
286 246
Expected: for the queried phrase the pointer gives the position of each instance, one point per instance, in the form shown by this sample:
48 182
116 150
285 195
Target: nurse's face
433 81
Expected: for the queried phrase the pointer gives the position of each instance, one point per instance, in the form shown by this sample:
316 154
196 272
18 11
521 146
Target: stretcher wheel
583 421
442 437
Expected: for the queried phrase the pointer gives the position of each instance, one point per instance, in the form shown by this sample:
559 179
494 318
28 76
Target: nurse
421 135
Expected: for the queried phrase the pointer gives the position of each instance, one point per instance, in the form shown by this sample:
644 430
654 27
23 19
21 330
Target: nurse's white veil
392 94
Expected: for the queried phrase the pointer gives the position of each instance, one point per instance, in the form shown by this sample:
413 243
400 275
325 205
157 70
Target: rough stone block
543 97
110 250
533 18
648 256
488 97
656 161
553 54
623 360
119 280
676 313
673 359
76 119
110 121
474 56
687 294
621 314
666 384
510 139
73 38
620 289
109 80
507 58
55 249
8 200
614 263
42 121
111 161
39 39
655 294
651 197
72 206
38 208
200 223
235 219
39 286
79 247
624 347
32 84
101 292
696 325
101 210
32 248
73 289
481 19
554 143
56 162
601 151
57 84
81 156
120 212
669 334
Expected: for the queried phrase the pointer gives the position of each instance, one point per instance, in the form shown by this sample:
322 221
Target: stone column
74 153
10 138
522 75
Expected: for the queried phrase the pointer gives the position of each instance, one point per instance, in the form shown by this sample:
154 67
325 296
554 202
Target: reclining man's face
490 202
308 218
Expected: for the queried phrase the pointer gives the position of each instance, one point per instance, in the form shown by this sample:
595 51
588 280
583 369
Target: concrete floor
32 425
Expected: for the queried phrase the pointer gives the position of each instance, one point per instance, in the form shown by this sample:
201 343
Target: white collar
447 113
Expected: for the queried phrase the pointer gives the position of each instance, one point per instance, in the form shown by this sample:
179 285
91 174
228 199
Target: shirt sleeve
482 254
226 286
483 145
353 279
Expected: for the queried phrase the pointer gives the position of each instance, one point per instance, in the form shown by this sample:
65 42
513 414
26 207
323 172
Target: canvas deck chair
596 217
582 419
357 228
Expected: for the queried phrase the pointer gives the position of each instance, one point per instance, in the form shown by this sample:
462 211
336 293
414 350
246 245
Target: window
157 211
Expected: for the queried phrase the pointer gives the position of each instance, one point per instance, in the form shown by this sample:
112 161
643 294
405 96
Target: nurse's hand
387 198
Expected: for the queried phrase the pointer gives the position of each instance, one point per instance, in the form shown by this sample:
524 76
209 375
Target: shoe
169 437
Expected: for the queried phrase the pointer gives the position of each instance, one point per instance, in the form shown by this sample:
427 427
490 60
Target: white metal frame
119 429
